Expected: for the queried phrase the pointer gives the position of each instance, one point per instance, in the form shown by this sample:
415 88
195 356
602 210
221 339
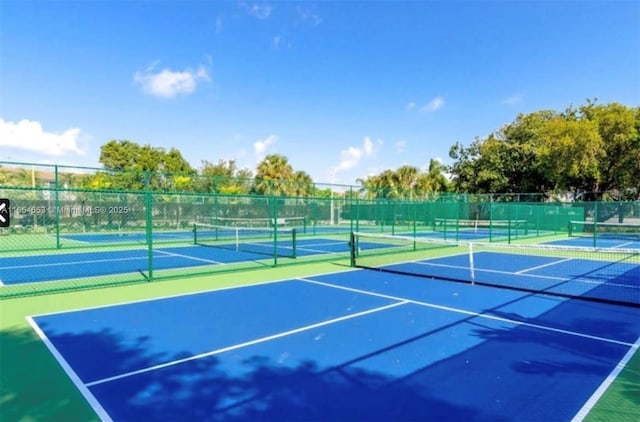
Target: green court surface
35 388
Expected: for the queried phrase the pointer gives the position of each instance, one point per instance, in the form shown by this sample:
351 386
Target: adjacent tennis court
602 235
95 263
355 345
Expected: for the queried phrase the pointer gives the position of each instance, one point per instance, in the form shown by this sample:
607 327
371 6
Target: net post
57 206
393 218
275 230
195 233
357 213
352 249
595 223
458 225
149 223
414 207
215 208
294 245
491 205
472 271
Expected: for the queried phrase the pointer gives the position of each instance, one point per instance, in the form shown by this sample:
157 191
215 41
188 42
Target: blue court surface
359 345
35 268
137 237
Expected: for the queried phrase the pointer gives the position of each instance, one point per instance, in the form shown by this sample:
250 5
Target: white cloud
433 105
309 14
168 83
29 135
276 41
513 100
410 105
260 147
258 10
218 24
352 156
400 146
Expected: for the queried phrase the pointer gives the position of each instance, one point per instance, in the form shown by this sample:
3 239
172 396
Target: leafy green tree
119 154
585 149
505 161
129 162
465 166
618 127
174 162
302 184
405 182
371 186
433 181
273 175
224 177
570 154
406 178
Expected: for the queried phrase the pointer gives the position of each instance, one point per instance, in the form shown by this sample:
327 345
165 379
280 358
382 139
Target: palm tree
406 177
303 184
434 180
371 186
272 175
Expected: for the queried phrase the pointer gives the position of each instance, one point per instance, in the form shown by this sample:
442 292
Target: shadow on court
256 388
493 380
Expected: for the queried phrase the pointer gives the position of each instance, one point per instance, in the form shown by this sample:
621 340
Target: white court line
623 245
57 264
179 295
320 251
245 344
548 264
86 393
475 314
605 384
194 258
578 279
93 261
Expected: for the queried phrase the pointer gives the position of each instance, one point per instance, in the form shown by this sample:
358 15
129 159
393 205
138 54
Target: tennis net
604 275
492 229
289 222
617 231
264 241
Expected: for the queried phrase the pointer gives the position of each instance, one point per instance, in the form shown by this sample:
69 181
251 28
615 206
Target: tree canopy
406 182
592 148
581 150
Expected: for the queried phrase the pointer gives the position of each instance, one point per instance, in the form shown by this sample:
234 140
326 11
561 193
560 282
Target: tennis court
602 235
96 263
354 345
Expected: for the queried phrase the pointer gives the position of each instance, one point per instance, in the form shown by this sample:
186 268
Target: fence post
57 205
149 224
275 229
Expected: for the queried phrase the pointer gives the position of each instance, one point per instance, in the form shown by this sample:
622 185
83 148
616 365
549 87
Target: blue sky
343 89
